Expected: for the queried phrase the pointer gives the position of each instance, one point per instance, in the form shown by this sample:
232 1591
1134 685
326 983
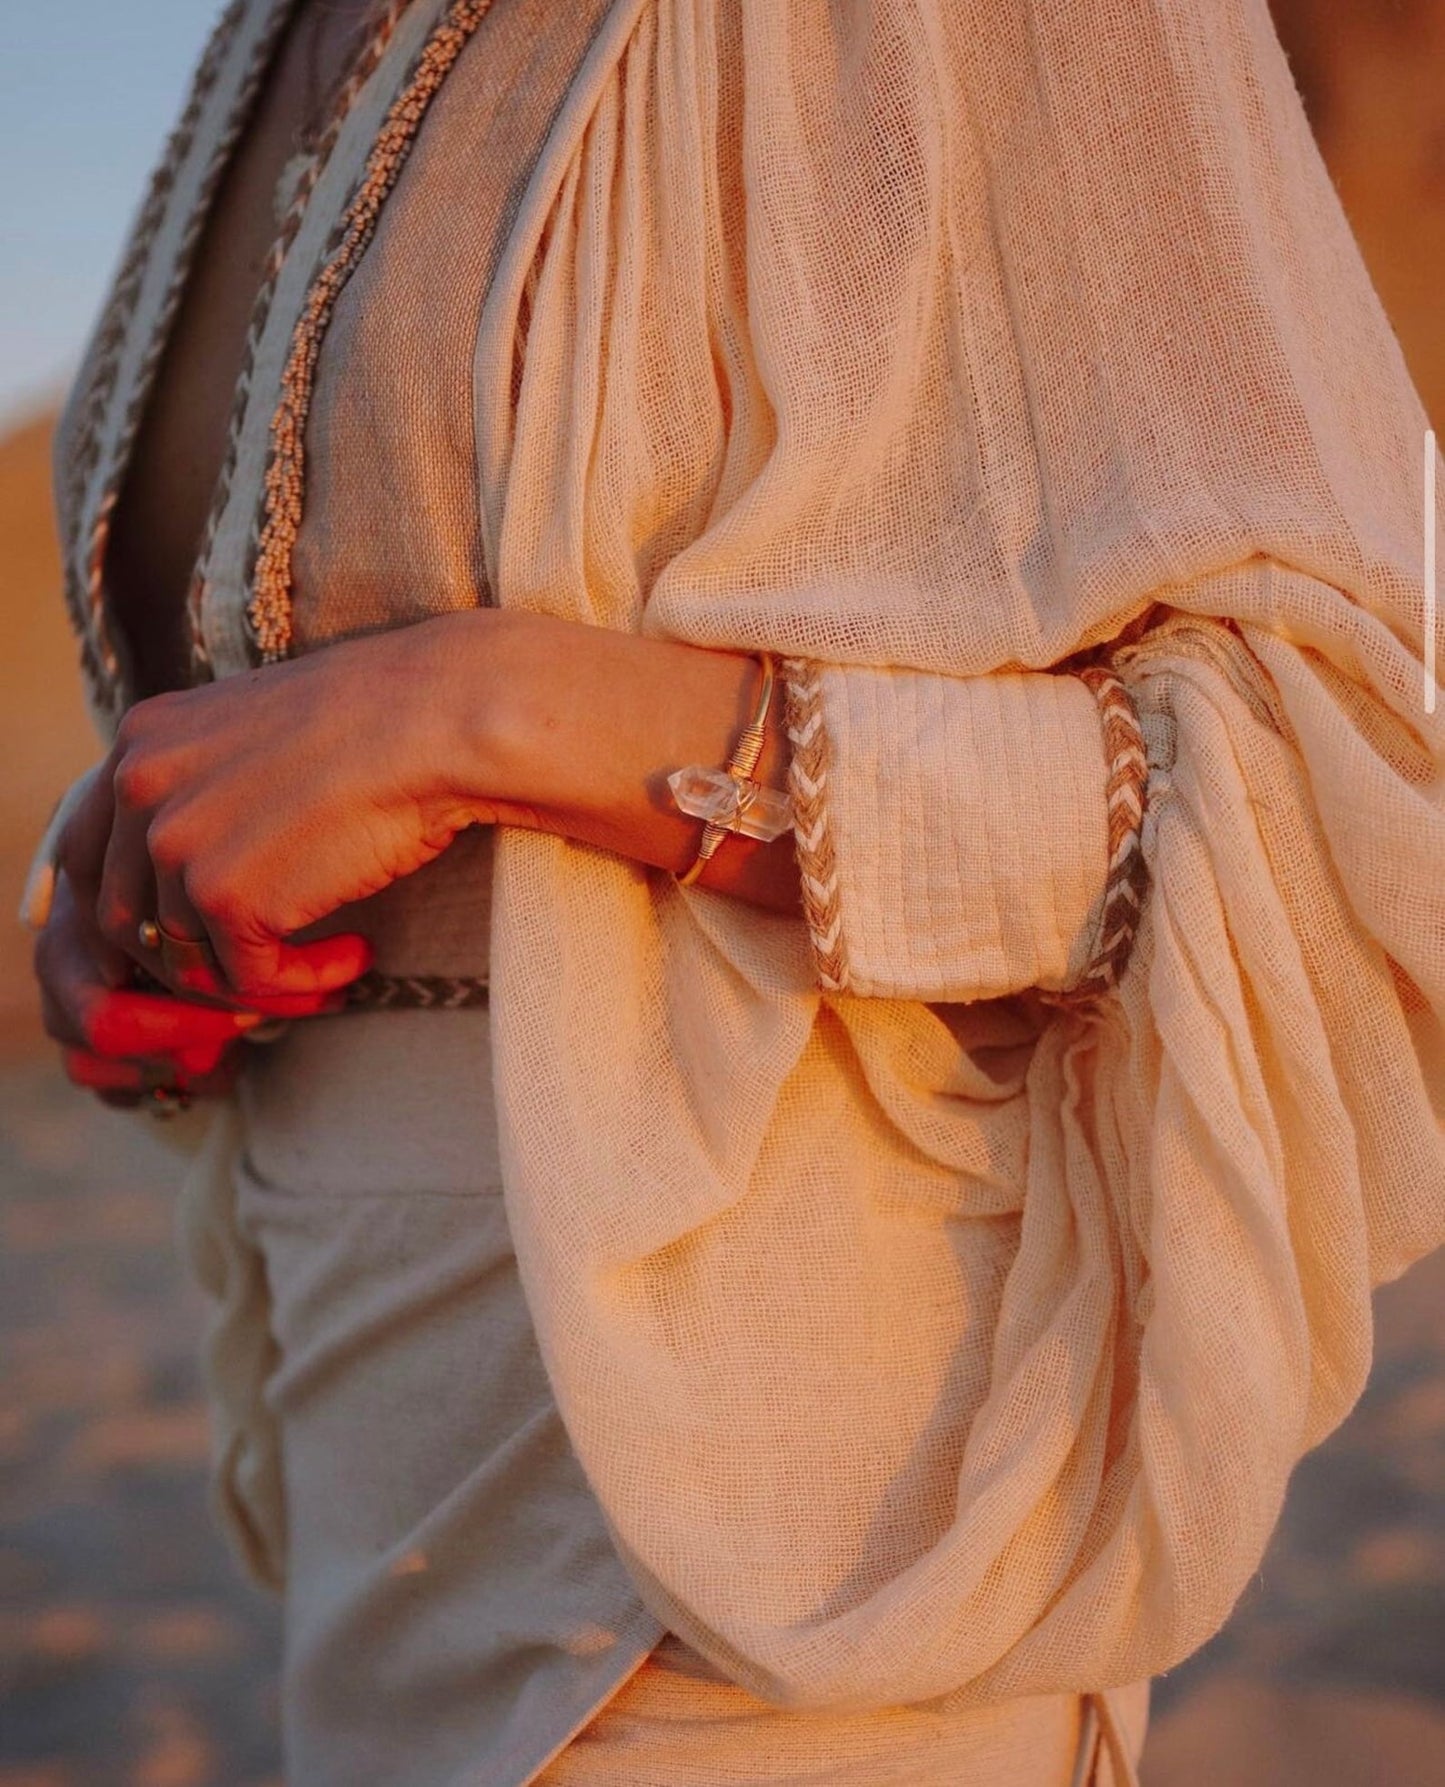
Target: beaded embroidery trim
85 554
305 177
269 613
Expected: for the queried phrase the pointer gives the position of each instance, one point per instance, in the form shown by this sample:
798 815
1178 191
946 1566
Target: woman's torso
389 533
160 520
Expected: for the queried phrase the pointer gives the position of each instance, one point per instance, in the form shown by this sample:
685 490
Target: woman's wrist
580 727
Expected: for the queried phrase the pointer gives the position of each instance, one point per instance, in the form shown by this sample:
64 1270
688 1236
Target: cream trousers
455 1612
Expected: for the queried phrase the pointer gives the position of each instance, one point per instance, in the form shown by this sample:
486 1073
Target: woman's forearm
582 725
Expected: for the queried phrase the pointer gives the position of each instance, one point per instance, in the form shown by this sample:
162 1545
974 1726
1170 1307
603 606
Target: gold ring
183 955
180 956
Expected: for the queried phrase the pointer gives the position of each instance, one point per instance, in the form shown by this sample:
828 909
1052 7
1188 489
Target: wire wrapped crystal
733 802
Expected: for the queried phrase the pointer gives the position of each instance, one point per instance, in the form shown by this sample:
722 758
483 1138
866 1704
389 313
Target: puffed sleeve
909 1353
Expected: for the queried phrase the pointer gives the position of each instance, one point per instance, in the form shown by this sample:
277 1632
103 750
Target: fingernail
248 1020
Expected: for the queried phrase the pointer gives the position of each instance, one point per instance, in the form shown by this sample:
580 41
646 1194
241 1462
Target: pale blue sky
88 91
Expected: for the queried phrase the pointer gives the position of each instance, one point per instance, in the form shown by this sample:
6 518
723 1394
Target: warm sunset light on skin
852 1306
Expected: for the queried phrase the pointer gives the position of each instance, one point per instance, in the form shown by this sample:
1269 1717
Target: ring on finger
163 1097
179 955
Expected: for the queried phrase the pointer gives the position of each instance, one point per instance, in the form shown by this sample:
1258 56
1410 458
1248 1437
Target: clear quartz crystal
715 795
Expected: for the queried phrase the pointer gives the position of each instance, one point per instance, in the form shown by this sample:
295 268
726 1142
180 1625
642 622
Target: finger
187 971
74 913
206 988
141 1079
207 1058
99 1073
140 1024
80 848
287 1005
70 951
127 893
74 968
260 967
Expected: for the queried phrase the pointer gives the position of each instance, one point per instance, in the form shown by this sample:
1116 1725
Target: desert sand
129 1651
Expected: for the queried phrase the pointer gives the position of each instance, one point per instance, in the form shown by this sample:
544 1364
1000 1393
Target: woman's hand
243 811
121 1044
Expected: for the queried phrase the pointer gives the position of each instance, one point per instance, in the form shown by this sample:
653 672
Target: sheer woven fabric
915 1342
925 343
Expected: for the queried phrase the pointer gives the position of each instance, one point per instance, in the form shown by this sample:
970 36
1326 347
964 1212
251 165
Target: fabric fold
900 1375
951 830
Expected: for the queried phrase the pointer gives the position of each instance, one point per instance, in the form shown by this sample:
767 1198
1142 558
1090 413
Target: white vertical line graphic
1430 570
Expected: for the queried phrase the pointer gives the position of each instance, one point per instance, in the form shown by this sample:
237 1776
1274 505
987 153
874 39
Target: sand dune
45 738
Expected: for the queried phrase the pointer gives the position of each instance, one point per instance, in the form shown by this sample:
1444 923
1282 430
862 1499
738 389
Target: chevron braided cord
1127 877
808 784
416 992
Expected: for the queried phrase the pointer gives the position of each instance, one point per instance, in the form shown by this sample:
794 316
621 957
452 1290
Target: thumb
267 965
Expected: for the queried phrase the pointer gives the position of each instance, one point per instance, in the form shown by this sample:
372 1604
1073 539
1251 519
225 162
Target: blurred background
130 1655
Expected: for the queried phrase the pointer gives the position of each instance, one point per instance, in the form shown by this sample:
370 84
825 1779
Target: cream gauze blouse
916 1337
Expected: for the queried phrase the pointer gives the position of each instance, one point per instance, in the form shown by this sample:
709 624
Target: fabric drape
914 1340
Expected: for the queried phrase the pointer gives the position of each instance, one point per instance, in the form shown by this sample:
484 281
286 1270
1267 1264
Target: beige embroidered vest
409 195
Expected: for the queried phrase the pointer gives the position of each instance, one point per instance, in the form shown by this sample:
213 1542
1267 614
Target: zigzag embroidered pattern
416 992
1128 873
807 783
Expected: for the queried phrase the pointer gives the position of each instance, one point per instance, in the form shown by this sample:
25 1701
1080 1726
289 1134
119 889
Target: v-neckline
139 319
137 323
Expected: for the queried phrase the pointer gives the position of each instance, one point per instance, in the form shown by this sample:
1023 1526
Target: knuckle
141 718
135 782
213 894
166 846
113 917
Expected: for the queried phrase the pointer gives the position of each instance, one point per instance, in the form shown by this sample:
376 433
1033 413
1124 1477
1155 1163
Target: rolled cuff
951 832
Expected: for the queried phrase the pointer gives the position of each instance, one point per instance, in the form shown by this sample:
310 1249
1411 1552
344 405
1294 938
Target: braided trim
416 992
368 56
1127 879
85 550
269 611
807 784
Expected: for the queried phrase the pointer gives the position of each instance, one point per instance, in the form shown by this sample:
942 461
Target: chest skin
160 519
